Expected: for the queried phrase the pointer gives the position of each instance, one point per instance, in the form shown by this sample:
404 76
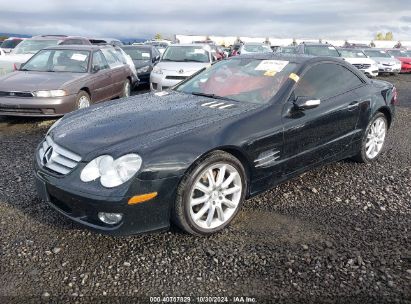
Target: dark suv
317 49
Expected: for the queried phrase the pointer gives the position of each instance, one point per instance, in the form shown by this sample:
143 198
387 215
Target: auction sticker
294 77
78 57
271 65
162 93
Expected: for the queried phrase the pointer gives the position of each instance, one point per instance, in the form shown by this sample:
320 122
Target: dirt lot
336 234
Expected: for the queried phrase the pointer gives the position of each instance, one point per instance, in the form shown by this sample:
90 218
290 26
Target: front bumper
81 207
371 72
37 107
389 68
159 82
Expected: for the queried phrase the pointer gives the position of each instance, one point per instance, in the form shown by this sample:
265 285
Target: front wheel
210 195
126 89
83 100
373 139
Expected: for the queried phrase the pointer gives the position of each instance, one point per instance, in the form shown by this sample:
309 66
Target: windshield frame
51 57
352 51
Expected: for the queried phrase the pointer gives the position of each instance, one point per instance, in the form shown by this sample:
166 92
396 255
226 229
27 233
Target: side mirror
96 68
306 103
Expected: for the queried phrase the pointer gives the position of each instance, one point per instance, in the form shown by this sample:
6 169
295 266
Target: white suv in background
358 59
386 63
179 62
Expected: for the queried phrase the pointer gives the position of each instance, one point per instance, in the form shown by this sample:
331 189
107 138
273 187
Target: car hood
140 121
141 63
33 81
359 60
187 67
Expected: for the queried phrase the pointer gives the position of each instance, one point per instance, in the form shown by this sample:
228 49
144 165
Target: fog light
110 218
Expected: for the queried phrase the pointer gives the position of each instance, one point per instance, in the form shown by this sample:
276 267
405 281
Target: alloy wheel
375 138
215 195
83 102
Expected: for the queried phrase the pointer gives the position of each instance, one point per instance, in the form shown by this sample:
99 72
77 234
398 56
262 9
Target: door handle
353 105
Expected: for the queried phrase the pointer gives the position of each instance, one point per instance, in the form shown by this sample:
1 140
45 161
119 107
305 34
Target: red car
404 57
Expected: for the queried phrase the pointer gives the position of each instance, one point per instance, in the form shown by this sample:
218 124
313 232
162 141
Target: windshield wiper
212 96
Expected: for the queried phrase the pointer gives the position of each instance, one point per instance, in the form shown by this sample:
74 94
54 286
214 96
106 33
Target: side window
99 60
326 80
112 58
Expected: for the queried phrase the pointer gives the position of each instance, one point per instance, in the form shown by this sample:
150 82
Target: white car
358 59
179 62
252 48
386 63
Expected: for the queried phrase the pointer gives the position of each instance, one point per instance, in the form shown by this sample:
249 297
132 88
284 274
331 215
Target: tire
218 210
126 88
83 100
364 155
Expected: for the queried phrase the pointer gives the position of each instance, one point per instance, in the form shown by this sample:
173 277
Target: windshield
256 48
318 50
10 44
186 53
397 53
58 61
352 54
138 53
32 46
288 50
241 79
376 53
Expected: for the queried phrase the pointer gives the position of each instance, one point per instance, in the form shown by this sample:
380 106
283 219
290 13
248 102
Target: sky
331 19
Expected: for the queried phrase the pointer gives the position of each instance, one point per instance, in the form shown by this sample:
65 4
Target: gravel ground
336 234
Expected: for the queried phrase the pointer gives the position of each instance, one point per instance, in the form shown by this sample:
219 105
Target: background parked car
287 50
254 47
317 49
27 48
178 62
61 79
386 64
10 43
161 45
402 56
358 59
144 58
235 48
111 41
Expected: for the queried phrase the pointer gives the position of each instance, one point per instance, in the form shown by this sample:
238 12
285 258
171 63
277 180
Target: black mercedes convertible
192 154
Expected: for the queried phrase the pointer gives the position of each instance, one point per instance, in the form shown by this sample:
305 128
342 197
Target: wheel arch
87 90
387 113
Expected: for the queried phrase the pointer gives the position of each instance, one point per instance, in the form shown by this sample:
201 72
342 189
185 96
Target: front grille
362 66
15 94
57 158
176 77
388 64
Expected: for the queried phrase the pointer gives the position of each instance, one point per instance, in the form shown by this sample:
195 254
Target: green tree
158 36
379 36
389 36
3 38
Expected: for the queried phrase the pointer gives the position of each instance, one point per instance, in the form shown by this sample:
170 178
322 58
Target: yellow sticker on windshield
294 77
270 73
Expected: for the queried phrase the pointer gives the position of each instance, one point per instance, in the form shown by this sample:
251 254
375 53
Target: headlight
143 69
52 93
157 70
112 172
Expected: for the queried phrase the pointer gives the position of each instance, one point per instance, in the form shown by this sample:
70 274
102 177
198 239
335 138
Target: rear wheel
210 195
126 88
83 100
373 139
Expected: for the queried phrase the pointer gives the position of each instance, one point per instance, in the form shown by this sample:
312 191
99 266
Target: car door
314 135
101 88
117 68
